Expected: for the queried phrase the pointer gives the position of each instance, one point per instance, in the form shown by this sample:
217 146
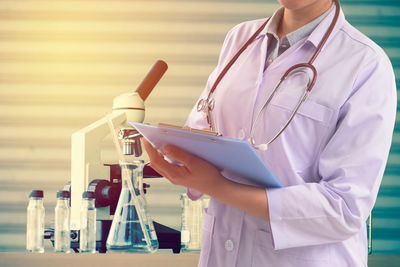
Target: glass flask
132 228
191 222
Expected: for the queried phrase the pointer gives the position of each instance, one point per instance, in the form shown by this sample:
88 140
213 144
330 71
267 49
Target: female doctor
330 156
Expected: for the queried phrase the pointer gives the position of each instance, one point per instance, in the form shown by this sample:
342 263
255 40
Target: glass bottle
87 235
62 233
132 228
191 222
35 223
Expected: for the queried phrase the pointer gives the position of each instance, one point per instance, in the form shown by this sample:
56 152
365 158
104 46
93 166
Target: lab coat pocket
264 253
207 232
308 127
309 108
318 253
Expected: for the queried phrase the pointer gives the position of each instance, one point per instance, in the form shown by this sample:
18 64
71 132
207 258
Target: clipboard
237 159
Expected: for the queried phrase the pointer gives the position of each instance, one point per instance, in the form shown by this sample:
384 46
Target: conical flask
132 229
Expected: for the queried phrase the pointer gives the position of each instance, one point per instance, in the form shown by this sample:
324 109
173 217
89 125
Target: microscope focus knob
106 194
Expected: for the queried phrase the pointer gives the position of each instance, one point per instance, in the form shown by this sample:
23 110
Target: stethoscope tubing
225 70
207 104
302 99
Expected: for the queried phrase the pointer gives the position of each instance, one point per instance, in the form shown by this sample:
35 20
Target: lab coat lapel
237 92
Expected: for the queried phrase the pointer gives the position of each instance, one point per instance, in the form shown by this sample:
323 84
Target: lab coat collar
317 35
272 23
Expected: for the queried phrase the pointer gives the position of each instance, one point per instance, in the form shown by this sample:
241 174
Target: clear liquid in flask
132 229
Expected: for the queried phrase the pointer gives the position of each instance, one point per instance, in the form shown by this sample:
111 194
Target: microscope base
168 238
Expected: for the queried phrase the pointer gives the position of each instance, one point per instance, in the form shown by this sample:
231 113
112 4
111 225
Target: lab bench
19 259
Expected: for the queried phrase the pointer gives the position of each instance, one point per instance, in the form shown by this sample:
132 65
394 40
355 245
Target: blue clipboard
237 159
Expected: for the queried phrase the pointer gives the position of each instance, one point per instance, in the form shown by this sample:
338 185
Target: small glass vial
87 236
62 233
35 223
191 223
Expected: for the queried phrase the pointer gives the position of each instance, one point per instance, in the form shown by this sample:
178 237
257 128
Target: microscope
88 173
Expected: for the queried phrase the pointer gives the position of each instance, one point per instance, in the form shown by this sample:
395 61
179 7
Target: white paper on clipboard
237 158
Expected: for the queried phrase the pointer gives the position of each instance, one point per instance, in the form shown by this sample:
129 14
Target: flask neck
132 172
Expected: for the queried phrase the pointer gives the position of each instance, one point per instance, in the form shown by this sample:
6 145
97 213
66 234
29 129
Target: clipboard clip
189 129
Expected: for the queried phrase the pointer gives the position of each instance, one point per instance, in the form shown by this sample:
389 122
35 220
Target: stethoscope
207 105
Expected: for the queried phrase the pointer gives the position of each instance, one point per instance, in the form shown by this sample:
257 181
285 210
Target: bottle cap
88 195
36 193
63 194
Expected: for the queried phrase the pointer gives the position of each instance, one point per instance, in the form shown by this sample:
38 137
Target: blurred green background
62 62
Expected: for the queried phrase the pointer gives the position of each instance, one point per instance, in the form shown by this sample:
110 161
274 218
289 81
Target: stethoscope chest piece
206 105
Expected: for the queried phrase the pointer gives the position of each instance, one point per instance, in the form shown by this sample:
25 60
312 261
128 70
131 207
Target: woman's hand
205 178
195 173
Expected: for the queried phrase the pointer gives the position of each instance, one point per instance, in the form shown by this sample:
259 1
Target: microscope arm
86 161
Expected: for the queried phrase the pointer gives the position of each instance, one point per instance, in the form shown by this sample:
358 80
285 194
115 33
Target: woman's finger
178 154
157 161
156 158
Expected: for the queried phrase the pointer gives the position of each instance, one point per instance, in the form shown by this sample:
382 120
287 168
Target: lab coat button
229 245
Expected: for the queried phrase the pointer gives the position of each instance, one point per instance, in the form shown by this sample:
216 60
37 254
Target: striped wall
62 62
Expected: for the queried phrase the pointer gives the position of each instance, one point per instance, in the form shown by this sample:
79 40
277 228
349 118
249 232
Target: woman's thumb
177 154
